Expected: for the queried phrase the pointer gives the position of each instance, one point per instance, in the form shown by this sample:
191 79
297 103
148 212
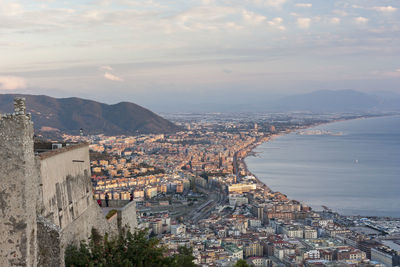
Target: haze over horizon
211 51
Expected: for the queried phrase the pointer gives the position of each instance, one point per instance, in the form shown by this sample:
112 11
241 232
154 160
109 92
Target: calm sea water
357 173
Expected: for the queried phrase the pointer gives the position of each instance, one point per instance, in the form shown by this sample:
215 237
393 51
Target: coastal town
200 133
193 188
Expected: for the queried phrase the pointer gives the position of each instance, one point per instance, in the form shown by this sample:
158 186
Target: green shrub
111 213
241 263
127 250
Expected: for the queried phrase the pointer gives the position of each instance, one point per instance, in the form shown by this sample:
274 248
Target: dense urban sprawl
193 189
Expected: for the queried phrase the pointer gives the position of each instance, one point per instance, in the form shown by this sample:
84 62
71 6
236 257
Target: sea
355 173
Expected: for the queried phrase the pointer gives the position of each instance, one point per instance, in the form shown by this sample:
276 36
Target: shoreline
265 139
250 151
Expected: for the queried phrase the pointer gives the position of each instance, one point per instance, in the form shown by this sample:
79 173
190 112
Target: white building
312 254
237 200
255 223
292 231
151 192
310 233
178 229
259 262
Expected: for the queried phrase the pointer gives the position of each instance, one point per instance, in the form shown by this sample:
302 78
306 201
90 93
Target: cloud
105 68
204 18
304 23
385 9
112 77
277 22
388 9
10 9
207 2
303 5
360 20
108 75
395 73
334 21
357 6
12 83
340 12
272 3
252 18
391 73
213 19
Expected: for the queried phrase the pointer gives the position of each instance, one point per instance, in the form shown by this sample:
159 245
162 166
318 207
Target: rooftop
47 149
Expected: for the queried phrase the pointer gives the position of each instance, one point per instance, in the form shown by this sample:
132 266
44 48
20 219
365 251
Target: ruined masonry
46 200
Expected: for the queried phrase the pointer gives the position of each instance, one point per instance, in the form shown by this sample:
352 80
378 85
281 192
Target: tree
184 258
241 263
127 250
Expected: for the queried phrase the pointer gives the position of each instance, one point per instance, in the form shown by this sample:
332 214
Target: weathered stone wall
18 189
127 217
113 224
49 243
46 202
126 211
81 228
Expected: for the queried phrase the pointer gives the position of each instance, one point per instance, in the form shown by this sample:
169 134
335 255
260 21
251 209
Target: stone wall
115 203
127 217
46 202
49 243
18 189
126 211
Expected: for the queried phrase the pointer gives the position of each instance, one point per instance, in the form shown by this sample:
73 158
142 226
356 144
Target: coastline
265 139
250 152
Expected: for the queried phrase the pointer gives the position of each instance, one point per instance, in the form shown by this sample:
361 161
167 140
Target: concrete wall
66 185
67 196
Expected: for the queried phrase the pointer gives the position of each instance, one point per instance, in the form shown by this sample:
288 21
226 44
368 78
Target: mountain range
69 115
319 101
338 101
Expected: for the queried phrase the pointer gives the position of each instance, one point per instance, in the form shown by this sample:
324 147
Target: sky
154 52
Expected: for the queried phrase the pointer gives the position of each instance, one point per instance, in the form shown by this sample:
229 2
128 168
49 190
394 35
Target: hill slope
69 115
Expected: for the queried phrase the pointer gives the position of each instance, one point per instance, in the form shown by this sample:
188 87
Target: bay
356 173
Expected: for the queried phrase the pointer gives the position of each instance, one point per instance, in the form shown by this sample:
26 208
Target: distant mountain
388 101
318 101
336 101
69 115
